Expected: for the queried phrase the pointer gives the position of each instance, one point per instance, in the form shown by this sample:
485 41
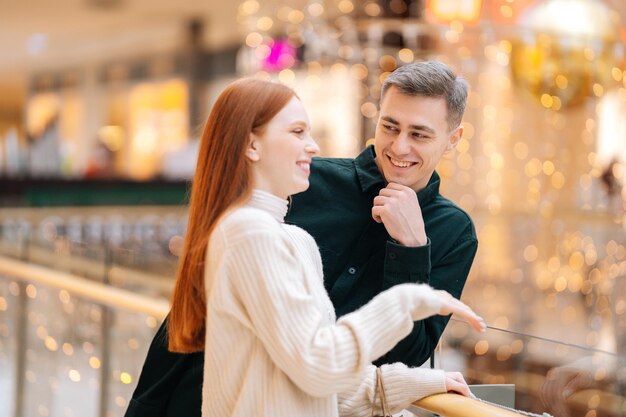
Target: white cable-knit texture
273 345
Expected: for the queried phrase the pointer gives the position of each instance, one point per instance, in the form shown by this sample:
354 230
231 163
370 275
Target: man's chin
398 178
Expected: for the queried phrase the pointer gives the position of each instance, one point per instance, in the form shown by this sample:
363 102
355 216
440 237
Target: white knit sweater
273 345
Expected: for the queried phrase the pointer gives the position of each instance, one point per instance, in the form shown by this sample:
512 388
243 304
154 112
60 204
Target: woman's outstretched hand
450 305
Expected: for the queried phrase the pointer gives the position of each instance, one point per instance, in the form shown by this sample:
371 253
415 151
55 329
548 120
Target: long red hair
222 179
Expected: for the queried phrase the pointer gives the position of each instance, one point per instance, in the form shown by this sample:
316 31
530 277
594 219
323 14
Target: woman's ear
252 152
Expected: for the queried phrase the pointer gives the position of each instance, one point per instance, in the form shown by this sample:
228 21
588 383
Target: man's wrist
412 242
407 263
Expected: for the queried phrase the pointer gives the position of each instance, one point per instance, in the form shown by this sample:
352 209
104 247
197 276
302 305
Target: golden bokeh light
481 347
264 23
315 9
94 362
74 375
126 378
406 55
345 6
372 9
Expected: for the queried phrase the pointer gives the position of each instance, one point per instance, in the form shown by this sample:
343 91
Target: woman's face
282 154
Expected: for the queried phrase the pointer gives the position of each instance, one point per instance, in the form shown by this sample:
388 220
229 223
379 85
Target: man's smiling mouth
400 164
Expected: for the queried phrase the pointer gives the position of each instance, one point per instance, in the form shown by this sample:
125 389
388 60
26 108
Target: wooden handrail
455 405
86 289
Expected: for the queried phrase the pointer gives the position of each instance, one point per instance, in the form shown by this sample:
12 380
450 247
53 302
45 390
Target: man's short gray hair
431 79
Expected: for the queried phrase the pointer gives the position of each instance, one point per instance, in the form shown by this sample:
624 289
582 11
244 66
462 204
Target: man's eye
389 127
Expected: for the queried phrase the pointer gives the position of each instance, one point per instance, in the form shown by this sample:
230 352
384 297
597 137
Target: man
370 215
378 220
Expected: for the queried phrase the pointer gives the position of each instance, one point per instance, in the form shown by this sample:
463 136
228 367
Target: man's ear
252 151
454 138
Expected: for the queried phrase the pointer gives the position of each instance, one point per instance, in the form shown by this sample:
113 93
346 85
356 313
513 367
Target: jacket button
351 270
392 255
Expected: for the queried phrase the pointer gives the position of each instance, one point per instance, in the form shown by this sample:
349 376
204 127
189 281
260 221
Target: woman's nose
312 146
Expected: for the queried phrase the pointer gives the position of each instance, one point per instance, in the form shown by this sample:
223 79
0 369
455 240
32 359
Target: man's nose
400 145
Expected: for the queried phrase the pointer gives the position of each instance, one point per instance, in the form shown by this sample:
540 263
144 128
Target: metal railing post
21 335
105 335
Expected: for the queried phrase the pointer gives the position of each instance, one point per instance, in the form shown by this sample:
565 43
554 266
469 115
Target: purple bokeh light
282 55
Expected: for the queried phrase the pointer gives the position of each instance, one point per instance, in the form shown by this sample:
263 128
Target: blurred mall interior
101 105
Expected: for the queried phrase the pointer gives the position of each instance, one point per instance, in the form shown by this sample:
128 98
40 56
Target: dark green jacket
360 260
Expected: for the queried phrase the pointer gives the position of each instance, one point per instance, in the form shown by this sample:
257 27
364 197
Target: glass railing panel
62 343
549 376
149 270
9 309
129 336
65 355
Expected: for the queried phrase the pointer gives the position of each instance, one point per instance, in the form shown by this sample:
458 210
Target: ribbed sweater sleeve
320 357
403 385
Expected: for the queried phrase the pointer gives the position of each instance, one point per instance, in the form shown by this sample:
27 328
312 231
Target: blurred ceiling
41 34
44 34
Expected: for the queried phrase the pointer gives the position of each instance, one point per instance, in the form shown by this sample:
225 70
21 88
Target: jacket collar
371 179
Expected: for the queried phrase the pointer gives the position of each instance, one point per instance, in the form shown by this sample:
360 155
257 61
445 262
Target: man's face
411 136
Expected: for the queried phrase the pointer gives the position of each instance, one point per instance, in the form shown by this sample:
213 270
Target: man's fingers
376 211
396 186
380 200
389 192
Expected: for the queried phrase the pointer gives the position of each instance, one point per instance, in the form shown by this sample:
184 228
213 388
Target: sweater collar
372 180
275 206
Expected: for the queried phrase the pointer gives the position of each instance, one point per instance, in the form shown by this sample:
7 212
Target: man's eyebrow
422 128
390 120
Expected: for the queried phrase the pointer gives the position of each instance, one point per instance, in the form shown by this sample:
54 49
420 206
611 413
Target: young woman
250 291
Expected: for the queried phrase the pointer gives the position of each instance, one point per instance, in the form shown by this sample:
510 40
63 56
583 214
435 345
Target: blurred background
101 105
